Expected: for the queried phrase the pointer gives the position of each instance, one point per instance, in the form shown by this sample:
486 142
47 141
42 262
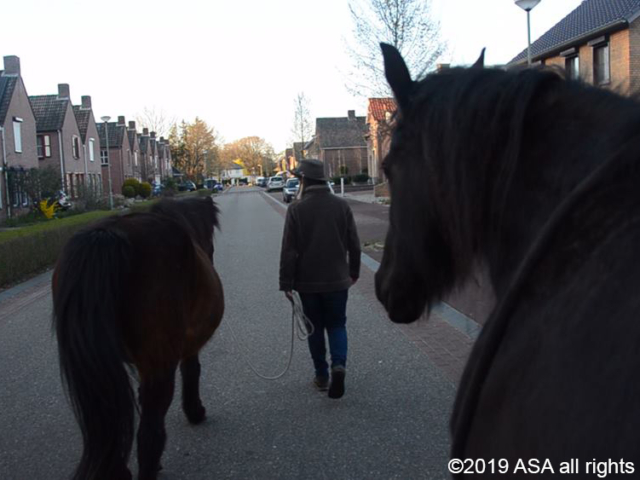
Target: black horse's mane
199 215
477 126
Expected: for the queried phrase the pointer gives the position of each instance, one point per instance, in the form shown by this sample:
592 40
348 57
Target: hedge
29 250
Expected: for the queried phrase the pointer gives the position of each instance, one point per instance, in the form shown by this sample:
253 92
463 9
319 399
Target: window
17 134
572 67
601 73
135 158
75 147
91 147
104 157
44 146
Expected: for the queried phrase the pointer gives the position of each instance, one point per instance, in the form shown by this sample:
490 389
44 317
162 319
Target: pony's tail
89 284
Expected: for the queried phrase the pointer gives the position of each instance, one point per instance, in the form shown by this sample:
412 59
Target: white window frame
75 147
104 156
92 157
17 134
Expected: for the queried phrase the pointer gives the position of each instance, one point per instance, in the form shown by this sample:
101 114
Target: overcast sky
237 64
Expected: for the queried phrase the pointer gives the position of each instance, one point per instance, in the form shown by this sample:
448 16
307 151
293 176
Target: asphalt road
391 423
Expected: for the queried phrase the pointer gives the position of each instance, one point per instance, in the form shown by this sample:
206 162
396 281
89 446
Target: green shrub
361 178
145 190
28 250
129 191
131 182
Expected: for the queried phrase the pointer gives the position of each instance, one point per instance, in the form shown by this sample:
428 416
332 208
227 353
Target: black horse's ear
397 73
480 62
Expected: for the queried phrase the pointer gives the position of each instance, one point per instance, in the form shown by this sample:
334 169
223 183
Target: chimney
86 102
12 65
161 139
442 66
153 134
351 114
145 131
132 125
121 121
64 91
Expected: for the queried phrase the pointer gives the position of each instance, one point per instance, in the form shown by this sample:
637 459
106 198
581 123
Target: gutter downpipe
6 174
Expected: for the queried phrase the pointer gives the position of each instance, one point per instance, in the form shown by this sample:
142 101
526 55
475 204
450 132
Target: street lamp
106 119
528 5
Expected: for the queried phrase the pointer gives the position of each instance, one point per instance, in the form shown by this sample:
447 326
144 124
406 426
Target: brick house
134 145
59 138
153 175
379 116
119 159
17 138
164 158
340 143
145 157
90 144
598 42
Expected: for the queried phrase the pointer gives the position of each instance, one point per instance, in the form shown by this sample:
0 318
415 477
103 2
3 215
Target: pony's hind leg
191 402
156 394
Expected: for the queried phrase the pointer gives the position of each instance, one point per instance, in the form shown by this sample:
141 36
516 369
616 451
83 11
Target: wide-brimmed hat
310 168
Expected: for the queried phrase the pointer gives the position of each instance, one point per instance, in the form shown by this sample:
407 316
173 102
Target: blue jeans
327 311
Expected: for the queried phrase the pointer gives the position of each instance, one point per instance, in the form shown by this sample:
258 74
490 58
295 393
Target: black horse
539 177
136 291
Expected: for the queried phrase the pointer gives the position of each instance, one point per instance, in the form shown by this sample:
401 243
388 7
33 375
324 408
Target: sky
237 64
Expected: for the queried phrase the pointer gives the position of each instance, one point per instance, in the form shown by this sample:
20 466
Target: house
59 140
153 174
233 174
90 145
340 143
115 154
379 121
146 156
598 42
17 139
134 145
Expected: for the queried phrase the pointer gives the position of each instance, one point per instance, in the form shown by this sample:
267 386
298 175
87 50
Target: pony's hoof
196 414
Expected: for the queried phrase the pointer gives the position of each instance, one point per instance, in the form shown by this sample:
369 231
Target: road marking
453 317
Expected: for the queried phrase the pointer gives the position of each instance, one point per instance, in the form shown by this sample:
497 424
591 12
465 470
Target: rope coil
301 327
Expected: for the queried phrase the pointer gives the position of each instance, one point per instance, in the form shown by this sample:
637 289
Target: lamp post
527 6
106 119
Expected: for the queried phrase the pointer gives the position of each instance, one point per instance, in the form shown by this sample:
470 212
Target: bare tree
156 120
405 24
302 129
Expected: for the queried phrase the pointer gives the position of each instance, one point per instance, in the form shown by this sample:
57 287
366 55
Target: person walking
319 234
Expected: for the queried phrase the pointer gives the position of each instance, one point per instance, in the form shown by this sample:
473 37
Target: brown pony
137 291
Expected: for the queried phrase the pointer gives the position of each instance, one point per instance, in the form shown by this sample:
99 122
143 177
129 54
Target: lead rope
303 331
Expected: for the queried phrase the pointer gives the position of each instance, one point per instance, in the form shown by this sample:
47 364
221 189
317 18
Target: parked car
275 183
187 186
213 184
261 182
290 190
157 189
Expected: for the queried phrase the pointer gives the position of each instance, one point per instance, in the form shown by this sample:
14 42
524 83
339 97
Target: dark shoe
321 383
336 389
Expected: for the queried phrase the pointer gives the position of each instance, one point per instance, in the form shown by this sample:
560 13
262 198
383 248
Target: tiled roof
144 143
116 134
82 117
341 132
7 85
132 138
591 18
378 107
49 111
